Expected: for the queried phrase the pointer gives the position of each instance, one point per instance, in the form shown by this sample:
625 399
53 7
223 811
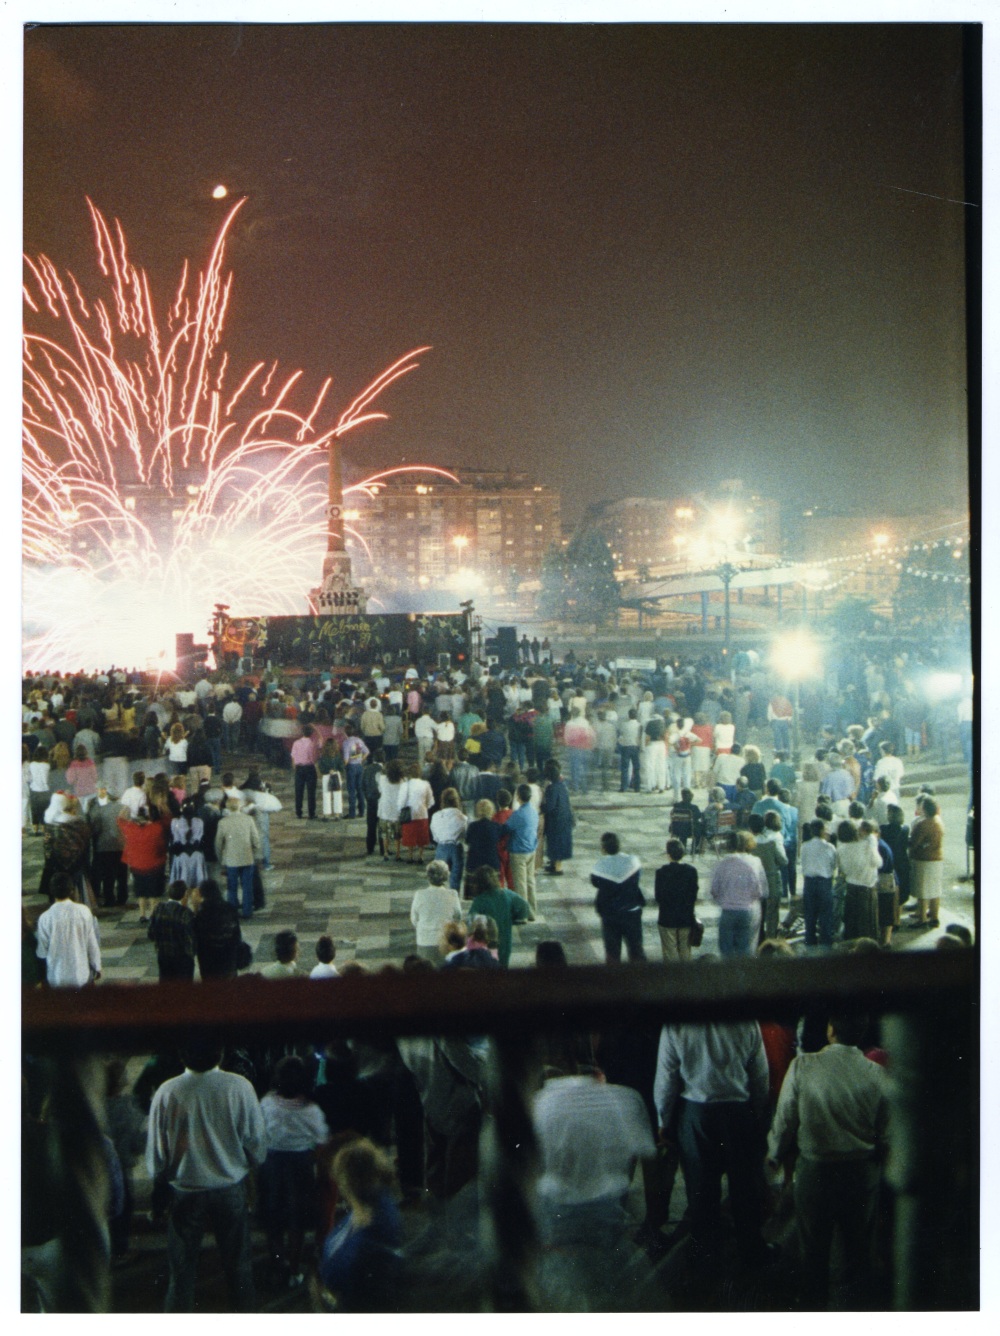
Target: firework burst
154 483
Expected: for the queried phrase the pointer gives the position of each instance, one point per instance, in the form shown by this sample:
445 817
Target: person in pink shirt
304 765
81 776
579 739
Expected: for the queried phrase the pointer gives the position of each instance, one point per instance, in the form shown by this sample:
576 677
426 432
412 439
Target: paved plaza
322 882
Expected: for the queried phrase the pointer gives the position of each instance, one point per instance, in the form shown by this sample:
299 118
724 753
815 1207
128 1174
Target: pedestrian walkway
322 882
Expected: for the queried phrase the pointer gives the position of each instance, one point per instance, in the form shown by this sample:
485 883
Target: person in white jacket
237 847
433 906
859 861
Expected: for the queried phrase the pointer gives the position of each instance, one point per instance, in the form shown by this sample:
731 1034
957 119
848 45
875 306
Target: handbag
405 814
696 933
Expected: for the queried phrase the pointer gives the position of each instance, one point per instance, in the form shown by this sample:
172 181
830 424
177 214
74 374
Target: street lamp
795 656
726 572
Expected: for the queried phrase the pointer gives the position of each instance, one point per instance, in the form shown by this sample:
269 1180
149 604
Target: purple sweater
738 882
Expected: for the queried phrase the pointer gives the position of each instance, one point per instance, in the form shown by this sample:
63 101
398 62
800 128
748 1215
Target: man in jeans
354 752
237 847
206 1132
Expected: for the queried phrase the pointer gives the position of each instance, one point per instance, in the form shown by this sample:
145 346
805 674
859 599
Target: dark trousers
110 878
176 967
836 1196
452 1160
305 786
630 768
371 829
408 1121
224 1211
627 929
355 790
788 874
717 1139
817 909
239 880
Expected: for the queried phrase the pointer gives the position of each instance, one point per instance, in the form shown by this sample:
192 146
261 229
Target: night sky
647 257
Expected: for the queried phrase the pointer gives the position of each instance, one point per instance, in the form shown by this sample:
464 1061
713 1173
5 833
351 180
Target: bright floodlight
725 524
796 656
460 541
220 192
941 686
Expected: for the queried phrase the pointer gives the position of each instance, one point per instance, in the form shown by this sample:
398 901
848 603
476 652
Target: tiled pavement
322 882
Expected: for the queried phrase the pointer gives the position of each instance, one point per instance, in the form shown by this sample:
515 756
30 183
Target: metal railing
928 1001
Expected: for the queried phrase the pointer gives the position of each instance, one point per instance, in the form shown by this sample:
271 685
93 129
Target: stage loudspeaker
183 653
507 646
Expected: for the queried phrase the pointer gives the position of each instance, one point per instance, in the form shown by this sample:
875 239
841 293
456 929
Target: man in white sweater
834 1109
206 1132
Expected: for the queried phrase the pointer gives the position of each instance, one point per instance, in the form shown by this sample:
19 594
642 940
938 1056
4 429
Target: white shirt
67 942
425 729
206 1130
418 795
893 768
324 971
232 712
590 1135
280 969
710 1063
432 908
132 799
448 826
818 858
834 1104
293 1124
859 861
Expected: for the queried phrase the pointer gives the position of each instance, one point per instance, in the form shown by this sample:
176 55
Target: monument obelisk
337 595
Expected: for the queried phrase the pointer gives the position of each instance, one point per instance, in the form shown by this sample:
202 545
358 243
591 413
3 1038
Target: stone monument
338 595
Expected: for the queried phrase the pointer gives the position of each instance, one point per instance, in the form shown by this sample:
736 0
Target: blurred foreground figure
834 1110
206 1132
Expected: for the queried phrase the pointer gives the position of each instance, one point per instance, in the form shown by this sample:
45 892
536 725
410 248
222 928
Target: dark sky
648 256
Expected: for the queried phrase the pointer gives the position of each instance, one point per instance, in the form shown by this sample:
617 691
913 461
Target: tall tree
590 572
554 593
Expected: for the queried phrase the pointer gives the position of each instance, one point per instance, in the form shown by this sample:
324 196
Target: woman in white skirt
653 757
926 864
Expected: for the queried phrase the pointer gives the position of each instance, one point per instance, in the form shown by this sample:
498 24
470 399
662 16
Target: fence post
931 1166
77 1109
508 1166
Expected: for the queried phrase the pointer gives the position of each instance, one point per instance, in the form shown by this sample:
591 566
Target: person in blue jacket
360 1265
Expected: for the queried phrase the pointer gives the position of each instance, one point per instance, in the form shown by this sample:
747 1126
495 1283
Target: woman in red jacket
145 853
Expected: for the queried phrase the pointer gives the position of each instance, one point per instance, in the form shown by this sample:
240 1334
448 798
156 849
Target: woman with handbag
262 804
675 891
415 803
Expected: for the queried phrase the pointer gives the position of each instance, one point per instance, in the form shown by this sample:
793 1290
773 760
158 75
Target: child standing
295 1128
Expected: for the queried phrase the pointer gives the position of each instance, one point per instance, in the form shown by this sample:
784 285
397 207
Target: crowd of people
478 775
